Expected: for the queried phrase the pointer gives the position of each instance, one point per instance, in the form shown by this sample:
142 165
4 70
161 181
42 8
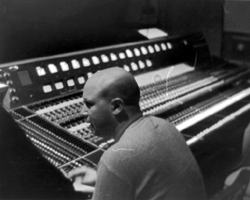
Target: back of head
115 82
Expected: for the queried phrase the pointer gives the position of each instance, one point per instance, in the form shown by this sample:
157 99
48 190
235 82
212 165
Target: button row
139 65
60 85
81 80
104 58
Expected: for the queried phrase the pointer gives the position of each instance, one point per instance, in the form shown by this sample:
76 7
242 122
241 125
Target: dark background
33 28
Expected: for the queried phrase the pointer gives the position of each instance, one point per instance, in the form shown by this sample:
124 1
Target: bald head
115 82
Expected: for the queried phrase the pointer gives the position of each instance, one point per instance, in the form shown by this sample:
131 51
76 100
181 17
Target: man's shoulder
147 134
158 121
118 151
160 125
144 133
151 121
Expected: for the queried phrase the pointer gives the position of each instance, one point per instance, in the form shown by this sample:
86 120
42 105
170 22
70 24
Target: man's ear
117 105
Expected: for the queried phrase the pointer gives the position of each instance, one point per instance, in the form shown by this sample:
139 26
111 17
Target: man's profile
150 159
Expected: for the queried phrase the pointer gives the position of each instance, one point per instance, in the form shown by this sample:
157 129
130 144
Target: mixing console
164 94
56 144
176 79
209 107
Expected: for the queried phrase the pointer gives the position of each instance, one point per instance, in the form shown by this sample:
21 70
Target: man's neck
120 129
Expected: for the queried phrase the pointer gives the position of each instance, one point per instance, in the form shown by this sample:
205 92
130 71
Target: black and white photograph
124 100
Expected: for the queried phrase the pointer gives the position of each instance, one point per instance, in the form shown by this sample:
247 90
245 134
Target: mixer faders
66 113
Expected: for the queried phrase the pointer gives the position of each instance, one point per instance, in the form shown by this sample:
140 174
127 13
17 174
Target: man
150 159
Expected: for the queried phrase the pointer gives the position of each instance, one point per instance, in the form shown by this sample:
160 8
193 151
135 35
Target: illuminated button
64 66
126 67
75 64
157 48
9 82
47 88
59 85
141 64
170 46
95 60
151 49
85 62
137 52
13 68
81 80
144 50
52 68
104 58
12 90
163 47
6 74
129 53
134 66
40 71
14 99
113 57
89 74
122 55
70 82
149 63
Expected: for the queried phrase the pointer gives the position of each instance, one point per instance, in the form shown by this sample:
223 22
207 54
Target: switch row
103 58
135 66
61 85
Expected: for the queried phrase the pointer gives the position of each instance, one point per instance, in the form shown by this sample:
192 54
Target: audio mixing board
178 81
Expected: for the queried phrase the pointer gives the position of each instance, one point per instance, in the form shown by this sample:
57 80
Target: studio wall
33 28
